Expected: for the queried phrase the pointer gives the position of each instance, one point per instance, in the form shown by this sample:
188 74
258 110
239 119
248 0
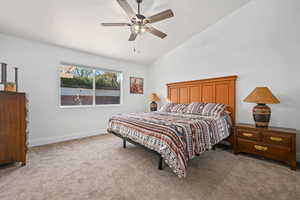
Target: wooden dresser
12 127
274 143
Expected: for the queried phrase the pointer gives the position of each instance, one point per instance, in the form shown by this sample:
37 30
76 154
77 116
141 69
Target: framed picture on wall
136 85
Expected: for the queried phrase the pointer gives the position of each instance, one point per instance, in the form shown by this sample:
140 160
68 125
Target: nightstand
274 143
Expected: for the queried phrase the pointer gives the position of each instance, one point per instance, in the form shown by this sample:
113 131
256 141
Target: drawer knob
276 139
260 148
247 134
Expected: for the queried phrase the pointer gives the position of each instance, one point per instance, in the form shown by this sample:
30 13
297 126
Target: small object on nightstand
275 143
261 112
153 98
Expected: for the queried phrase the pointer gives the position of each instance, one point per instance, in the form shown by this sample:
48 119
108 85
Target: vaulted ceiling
75 24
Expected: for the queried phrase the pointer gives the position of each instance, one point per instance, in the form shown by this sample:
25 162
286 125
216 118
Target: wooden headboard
212 90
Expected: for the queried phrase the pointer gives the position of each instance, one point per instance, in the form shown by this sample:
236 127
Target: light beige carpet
99 168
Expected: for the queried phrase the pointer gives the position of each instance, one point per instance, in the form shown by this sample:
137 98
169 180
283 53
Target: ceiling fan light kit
138 29
139 24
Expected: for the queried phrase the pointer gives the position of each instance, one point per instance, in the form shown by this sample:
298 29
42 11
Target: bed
178 137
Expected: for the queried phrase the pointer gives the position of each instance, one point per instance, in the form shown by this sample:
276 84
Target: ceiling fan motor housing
141 17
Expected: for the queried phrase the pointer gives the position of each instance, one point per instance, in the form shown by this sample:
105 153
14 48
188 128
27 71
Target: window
84 86
107 87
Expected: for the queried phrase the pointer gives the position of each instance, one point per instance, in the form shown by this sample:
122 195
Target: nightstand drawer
263 149
249 134
277 139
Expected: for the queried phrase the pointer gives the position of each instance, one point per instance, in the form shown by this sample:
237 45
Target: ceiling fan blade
160 16
155 32
115 24
132 37
127 8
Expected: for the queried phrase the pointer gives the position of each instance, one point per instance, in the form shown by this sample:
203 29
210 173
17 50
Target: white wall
260 43
39 79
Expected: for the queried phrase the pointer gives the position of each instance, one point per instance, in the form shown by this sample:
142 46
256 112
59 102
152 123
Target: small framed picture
136 85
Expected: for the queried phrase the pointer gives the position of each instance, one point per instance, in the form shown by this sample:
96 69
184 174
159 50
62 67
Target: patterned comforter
177 137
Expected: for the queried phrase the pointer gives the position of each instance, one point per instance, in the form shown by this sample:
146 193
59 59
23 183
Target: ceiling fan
140 24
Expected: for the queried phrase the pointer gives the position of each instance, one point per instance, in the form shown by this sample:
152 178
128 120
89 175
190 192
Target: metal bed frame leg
160 160
160 163
124 143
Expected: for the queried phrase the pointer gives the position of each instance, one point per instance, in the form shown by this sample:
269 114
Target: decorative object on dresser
153 98
275 143
261 112
8 86
12 127
3 73
3 76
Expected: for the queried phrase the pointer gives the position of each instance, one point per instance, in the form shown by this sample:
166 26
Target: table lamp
261 112
153 98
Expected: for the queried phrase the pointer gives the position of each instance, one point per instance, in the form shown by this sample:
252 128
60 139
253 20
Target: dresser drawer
274 152
277 139
249 134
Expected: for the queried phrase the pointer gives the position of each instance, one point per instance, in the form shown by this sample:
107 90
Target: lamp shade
153 97
261 95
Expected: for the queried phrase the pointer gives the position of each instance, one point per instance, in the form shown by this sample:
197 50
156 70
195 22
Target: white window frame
94 87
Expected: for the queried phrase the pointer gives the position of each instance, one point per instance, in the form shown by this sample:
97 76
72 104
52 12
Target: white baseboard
50 140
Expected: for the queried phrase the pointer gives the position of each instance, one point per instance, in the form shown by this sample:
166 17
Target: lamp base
261 115
153 106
